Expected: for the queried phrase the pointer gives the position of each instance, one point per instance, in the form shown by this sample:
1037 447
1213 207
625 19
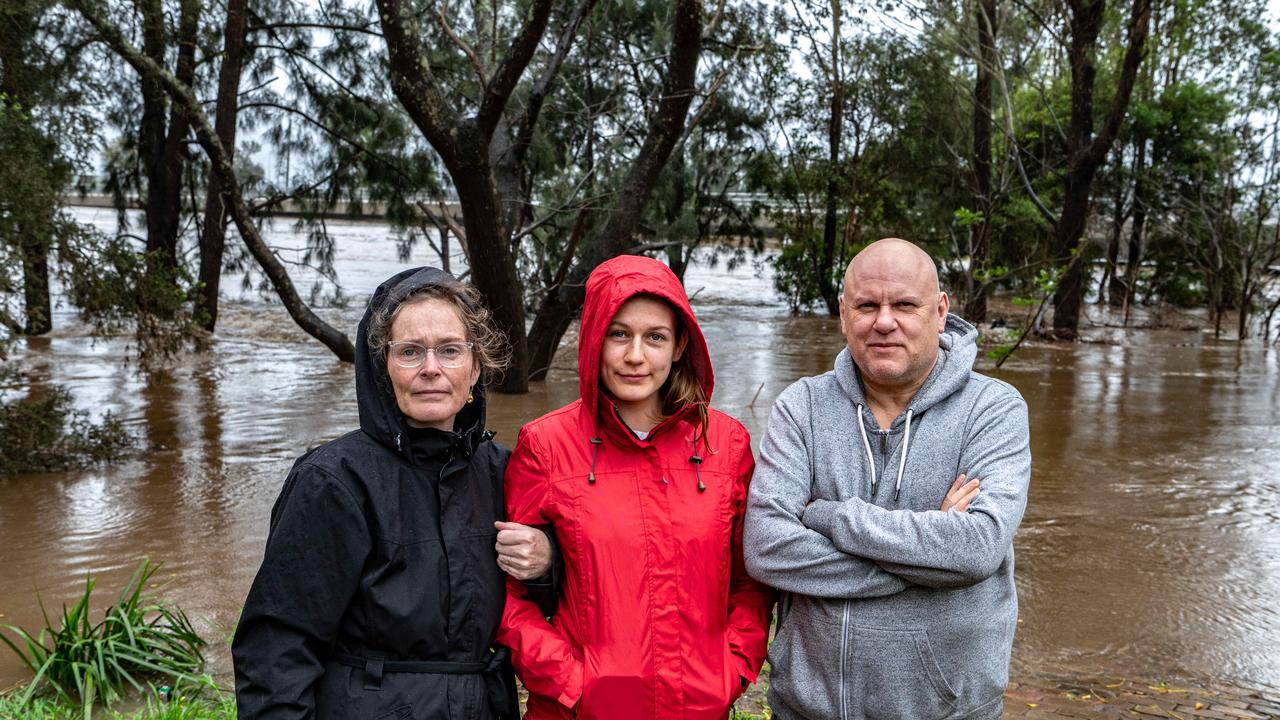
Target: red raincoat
658 618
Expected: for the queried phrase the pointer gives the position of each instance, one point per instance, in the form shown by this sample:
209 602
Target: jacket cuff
572 689
820 516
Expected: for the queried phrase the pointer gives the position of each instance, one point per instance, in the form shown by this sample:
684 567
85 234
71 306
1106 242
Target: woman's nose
635 351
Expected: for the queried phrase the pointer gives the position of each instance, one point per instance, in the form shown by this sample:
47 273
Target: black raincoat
380 595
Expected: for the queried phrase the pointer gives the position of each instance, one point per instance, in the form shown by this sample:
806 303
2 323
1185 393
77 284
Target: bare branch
512 67
443 18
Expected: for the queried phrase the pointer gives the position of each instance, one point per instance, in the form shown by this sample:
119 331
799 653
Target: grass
198 699
81 662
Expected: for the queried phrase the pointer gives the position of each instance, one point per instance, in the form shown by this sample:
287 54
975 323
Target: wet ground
1150 548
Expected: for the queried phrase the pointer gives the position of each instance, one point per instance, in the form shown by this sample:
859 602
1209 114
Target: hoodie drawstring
595 449
902 462
871 462
866 445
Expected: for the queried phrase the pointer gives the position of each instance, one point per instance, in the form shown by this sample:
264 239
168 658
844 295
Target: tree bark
220 163
975 306
1085 151
559 306
213 234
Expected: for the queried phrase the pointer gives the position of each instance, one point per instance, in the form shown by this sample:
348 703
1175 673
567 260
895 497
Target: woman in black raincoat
380 592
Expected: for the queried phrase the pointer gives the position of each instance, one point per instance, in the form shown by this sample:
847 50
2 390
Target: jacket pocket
894 674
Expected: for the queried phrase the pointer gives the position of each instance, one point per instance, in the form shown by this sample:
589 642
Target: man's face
891 314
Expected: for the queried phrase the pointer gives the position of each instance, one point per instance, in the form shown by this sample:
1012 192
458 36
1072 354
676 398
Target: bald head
891 314
893 256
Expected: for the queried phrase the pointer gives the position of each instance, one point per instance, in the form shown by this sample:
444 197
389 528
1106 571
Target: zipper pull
884 442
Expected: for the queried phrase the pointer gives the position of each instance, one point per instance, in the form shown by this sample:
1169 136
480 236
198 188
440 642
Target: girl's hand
524 552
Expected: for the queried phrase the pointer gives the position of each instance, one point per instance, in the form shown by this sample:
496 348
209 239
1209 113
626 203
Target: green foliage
84 662
45 434
197 699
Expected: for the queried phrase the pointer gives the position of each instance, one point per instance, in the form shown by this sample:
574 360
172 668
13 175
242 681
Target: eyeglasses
412 355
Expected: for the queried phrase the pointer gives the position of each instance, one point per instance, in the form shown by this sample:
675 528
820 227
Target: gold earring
471 397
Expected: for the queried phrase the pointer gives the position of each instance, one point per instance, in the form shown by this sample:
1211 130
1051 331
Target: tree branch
443 19
513 65
220 162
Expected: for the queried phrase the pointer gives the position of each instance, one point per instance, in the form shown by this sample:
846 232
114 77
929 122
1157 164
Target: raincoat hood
610 285
380 415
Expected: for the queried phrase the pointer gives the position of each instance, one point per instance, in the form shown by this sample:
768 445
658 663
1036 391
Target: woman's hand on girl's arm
524 552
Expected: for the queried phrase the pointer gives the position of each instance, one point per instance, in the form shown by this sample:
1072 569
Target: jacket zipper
844 651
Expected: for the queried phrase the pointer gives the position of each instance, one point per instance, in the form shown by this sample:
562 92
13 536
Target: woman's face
640 346
430 395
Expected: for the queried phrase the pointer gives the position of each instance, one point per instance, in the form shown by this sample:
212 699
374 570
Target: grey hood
957 351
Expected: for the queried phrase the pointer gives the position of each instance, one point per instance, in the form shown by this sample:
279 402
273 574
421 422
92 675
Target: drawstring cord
871 462
595 449
866 445
902 462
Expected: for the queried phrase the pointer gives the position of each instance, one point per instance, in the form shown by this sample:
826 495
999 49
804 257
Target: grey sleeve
779 550
946 549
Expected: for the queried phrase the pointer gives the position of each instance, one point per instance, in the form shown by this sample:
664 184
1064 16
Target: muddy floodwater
1150 547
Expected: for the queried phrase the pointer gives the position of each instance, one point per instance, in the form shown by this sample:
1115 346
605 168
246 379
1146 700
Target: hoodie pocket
894 674
803 658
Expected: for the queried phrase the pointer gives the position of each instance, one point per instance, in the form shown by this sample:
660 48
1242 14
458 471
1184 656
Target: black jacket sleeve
318 543
545 591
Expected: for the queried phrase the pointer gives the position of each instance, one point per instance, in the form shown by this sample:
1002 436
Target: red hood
611 284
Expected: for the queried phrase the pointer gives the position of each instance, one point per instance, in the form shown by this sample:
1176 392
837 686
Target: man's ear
944 305
840 312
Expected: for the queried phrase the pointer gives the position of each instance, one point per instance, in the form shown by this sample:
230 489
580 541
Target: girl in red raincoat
644 486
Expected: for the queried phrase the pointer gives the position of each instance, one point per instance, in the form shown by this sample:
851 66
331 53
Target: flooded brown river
1150 547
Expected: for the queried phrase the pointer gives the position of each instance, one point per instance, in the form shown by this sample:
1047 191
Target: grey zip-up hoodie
891 608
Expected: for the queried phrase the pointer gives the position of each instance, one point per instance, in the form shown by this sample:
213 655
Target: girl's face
430 395
640 346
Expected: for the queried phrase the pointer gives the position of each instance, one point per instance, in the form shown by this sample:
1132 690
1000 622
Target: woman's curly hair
489 344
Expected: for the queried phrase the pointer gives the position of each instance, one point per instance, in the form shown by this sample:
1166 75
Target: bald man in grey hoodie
884 507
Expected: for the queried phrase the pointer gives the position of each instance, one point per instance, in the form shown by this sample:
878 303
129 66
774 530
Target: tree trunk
559 307
35 282
161 217
975 307
213 234
1121 291
1086 152
835 132
464 146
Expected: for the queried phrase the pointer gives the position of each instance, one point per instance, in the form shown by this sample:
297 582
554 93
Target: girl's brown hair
682 387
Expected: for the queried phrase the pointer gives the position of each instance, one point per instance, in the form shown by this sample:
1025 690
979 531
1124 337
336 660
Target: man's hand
960 494
524 552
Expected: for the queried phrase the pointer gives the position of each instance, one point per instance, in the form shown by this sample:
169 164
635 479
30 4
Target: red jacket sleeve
750 602
544 660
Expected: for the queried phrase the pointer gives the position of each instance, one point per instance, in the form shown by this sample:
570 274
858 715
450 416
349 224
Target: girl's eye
657 337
